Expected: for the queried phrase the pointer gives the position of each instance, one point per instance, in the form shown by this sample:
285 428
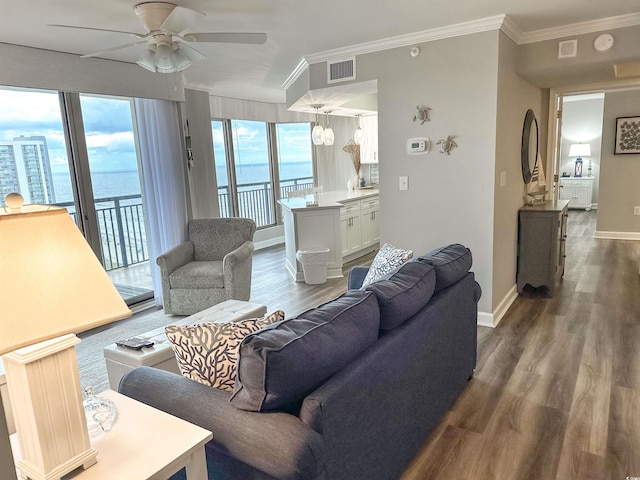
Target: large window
103 194
257 163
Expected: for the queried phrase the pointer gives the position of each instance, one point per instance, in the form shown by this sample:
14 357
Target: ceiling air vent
341 71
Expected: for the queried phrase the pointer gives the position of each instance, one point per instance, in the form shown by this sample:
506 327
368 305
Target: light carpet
93 370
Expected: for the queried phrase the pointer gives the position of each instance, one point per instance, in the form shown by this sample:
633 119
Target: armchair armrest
237 256
176 257
356 277
276 443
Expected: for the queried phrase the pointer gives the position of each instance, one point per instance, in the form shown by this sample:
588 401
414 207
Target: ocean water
115 184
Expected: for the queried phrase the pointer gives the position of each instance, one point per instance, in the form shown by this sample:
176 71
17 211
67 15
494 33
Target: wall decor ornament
447 144
627 135
422 115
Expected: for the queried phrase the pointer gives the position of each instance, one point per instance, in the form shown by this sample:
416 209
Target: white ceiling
295 29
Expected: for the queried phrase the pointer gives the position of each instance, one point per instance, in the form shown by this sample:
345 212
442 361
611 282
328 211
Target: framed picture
627 135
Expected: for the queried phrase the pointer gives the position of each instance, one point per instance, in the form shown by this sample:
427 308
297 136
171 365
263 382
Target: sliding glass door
99 185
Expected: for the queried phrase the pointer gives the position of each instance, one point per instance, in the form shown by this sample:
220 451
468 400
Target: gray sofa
348 390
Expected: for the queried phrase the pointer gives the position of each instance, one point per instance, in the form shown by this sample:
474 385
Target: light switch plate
404 183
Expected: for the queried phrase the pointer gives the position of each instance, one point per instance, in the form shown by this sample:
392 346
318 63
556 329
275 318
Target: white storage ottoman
121 360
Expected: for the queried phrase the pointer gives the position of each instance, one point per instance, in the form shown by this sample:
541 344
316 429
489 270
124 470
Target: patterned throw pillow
388 259
207 353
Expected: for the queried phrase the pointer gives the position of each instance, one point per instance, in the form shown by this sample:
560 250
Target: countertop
333 199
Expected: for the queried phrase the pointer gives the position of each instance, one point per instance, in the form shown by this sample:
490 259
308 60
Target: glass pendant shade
358 136
329 137
317 135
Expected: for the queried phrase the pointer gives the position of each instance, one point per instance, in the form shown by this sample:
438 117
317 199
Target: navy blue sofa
321 396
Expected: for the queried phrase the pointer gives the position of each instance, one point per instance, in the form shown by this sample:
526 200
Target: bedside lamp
51 286
579 150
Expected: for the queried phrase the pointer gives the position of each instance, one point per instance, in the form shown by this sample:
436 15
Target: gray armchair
214 265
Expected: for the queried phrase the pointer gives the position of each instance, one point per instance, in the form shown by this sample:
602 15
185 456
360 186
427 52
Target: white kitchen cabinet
369 209
359 227
369 147
577 190
350 228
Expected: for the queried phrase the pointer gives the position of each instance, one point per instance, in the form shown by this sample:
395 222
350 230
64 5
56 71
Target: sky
109 131
107 121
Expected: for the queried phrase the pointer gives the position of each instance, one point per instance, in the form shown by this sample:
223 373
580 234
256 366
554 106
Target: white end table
144 443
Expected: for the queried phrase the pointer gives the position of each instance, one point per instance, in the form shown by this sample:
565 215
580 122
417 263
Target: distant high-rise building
25 168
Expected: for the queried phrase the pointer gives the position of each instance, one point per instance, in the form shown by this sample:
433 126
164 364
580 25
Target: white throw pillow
388 259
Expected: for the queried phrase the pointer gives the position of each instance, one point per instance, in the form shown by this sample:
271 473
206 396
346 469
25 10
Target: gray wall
450 197
34 68
201 172
619 174
515 97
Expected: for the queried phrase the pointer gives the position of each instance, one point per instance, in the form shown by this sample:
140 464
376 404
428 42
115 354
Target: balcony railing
122 230
254 199
122 226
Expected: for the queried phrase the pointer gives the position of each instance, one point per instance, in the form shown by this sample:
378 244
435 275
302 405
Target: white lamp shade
148 60
580 150
358 136
51 282
317 135
329 137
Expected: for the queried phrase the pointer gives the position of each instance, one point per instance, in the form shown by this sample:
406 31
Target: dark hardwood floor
556 393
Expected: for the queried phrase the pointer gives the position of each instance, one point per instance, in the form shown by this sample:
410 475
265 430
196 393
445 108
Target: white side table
144 443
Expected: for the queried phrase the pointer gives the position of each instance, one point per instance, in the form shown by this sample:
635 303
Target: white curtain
162 179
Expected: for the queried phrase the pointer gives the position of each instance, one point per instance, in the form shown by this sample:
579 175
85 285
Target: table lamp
579 150
51 286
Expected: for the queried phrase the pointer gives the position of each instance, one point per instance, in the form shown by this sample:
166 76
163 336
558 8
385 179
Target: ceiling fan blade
180 19
112 49
133 34
251 38
193 54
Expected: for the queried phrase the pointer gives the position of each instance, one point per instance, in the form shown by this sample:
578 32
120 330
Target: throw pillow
207 353
284 362
388 259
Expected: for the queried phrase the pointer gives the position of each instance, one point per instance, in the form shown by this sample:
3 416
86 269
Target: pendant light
358 136
317 134
328 132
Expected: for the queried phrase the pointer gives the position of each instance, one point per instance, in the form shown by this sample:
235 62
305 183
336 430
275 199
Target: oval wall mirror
529 148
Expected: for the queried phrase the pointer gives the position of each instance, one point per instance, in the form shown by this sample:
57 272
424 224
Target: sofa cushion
198 275
387 260
404 292
451 263
208 352
284 362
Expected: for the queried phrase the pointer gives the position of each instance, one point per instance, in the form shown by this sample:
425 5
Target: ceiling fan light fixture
180 59
148 60
164 60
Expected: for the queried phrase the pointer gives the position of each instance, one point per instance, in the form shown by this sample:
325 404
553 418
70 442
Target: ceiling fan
163 22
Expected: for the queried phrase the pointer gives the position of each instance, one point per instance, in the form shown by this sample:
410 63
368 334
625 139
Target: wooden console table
542 232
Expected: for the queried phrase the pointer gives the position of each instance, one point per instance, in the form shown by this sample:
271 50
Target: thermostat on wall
418 146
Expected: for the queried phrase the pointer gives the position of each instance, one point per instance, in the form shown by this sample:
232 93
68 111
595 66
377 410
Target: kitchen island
343 221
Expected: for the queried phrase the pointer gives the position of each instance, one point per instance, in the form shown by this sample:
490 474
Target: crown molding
581 28
293 76
466 28
501 22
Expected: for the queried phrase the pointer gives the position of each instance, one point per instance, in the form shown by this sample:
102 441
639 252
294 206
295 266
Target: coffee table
120 360
144 443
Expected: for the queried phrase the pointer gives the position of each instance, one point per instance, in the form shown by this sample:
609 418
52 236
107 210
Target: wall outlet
404 183
636 210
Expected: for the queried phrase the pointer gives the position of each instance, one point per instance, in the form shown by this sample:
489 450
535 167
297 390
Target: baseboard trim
492 320
617 235
269 243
